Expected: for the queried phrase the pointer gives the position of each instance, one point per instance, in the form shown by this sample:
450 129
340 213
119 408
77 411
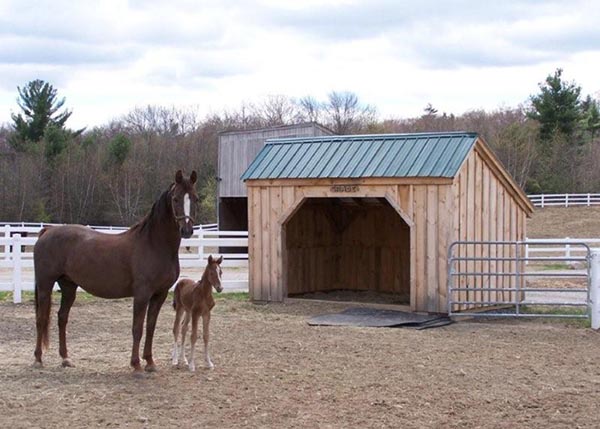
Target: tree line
112 174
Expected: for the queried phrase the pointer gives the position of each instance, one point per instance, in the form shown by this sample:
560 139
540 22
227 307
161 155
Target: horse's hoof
192 368
37 364
151 368
138 374
66 363
210 366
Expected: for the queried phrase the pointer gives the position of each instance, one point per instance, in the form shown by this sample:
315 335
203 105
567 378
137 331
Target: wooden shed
237 149
374 212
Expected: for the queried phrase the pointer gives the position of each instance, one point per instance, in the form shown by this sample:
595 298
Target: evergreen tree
557 107
40 109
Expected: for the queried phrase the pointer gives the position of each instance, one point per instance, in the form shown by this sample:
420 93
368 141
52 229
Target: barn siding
238 149
427 207
486 211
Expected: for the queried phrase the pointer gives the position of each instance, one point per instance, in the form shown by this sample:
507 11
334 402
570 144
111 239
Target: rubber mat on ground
373 317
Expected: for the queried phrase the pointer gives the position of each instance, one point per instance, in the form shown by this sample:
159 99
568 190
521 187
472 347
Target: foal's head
184 201
213 272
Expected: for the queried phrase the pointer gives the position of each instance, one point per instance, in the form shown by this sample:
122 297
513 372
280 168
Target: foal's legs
193 338
176 331
140 305
43 301
156 302
68 293
205 335
186 321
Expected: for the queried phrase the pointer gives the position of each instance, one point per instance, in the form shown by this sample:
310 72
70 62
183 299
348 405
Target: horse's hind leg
43 302
68 294
156 303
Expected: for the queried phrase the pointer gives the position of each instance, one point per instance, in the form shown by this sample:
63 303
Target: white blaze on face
186 207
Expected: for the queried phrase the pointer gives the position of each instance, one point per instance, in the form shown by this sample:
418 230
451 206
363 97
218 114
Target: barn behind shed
237 149
375 213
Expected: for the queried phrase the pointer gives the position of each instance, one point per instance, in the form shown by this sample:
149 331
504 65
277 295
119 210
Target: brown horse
195 299
142 262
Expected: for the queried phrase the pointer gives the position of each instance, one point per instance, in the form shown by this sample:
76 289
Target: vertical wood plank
493 225
265 211
445 229
256 246
420 200
478 225
432 249
275 286
485 229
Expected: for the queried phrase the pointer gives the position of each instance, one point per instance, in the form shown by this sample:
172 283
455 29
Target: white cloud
396 55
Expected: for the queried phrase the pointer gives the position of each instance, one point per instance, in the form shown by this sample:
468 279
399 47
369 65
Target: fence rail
553 249
17 241
564 200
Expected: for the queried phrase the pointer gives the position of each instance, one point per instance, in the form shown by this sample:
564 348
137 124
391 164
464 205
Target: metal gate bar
518 291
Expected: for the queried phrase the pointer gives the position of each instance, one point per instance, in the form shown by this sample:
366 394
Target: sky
107 57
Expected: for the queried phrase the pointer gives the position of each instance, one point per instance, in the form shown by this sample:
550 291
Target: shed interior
357 245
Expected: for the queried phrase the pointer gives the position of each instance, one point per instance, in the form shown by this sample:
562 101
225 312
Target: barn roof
384 155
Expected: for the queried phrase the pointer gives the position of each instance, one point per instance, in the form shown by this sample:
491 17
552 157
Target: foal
195 299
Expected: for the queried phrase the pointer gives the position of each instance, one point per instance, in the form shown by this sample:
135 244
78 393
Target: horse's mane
157 212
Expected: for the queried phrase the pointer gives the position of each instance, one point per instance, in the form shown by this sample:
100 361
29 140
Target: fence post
201 246
589 200
595 287
6 246
566 200
567 249
542 200
17 265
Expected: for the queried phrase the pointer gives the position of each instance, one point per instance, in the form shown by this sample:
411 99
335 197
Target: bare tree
311 110
277 110
345 114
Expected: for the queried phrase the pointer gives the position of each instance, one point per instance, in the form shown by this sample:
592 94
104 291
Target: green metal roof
377 155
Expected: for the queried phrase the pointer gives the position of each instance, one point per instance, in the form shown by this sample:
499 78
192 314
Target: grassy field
560 222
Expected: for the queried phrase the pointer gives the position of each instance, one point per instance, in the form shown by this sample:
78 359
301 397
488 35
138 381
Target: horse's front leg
205 335
140 305
194 337
156 302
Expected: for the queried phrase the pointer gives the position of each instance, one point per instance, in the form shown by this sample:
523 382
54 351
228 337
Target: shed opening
348 249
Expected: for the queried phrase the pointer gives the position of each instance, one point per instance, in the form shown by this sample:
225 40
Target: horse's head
214 272
184 201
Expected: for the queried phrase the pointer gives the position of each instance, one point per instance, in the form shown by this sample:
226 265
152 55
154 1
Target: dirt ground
273 370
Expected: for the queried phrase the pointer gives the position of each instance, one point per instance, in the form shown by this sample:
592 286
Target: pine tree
40 109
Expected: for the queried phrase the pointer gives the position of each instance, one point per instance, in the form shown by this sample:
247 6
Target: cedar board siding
486 211
426 208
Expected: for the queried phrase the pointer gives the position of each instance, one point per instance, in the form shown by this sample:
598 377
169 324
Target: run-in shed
374 212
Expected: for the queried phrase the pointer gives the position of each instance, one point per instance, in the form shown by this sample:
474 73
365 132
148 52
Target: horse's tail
42 316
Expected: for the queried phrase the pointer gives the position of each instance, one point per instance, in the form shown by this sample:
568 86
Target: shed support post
595 287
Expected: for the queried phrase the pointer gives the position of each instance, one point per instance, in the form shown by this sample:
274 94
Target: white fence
564 200
566 249
17 241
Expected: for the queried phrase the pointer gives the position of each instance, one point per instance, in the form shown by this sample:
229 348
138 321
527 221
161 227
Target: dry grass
560 222
273 370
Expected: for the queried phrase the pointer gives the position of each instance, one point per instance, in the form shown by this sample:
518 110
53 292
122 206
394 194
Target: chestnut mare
195 299
142 262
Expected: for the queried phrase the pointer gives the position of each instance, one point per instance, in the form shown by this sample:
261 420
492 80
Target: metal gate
519 279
